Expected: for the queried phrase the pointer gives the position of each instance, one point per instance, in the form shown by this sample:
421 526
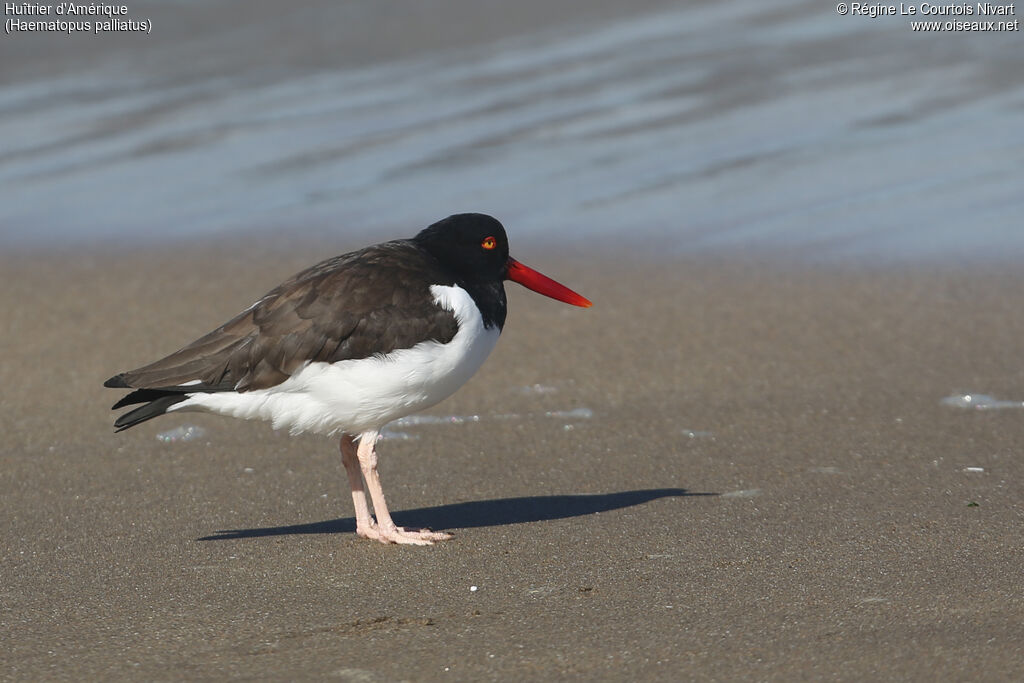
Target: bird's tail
155 402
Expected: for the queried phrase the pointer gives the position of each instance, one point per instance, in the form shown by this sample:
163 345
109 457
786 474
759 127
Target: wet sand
768 488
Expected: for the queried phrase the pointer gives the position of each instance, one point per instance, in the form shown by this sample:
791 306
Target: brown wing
349 307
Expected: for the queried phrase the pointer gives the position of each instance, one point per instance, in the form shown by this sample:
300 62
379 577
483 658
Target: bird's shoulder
350 307
354 306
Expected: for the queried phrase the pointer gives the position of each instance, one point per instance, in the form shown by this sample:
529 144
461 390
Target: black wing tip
117 382
154 408
138 396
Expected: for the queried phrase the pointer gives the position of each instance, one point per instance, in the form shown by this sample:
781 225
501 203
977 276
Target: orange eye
489 243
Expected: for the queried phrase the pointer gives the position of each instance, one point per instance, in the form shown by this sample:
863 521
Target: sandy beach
784 444
725 470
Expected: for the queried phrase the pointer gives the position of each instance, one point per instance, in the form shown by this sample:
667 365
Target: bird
350 344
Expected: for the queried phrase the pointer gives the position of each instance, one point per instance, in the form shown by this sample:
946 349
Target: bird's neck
490 299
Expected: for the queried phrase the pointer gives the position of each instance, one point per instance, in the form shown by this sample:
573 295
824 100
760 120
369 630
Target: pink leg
385 530
365 526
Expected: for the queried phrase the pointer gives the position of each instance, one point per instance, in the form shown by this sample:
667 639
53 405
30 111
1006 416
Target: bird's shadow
477 513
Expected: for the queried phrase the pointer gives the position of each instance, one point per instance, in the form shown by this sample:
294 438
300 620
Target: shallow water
979 402
771 127
181 434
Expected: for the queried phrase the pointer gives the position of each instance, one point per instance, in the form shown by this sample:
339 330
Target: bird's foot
401 535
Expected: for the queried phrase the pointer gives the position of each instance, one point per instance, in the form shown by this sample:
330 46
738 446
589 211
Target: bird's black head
472 246
473 249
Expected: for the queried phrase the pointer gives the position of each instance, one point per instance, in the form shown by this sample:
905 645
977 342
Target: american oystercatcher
351 344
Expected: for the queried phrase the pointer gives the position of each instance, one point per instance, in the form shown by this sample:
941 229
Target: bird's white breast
361 395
